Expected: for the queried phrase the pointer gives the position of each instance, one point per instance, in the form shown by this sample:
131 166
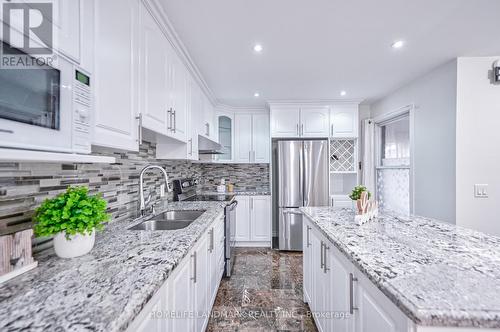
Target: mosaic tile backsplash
23 186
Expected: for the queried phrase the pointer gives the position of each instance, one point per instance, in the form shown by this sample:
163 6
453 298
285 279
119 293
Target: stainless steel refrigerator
300 179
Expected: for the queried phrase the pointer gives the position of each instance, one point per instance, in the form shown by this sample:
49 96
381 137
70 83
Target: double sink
169 220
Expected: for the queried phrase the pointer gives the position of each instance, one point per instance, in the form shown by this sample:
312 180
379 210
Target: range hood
208 147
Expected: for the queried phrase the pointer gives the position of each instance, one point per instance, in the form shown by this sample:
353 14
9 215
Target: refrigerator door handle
301 173
292 212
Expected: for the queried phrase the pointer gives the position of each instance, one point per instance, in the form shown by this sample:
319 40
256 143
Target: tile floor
263 294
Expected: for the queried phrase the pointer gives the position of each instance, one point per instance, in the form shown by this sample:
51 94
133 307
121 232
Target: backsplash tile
243 176
23 186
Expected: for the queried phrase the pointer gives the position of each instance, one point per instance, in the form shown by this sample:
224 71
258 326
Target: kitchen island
437 274
106 289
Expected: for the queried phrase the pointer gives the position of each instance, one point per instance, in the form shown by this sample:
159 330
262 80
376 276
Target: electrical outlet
481 191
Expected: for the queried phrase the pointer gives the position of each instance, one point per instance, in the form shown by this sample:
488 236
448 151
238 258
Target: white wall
478 140
434 96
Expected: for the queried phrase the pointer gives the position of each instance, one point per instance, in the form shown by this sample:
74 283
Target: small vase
77 245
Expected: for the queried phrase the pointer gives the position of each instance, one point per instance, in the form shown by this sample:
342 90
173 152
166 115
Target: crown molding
167 28
313 102
229 108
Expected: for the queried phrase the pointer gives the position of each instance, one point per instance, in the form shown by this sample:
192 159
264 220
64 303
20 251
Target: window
394 165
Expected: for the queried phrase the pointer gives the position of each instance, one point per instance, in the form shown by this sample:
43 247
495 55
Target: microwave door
36 108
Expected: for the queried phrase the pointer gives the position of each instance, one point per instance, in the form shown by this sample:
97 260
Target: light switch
481 190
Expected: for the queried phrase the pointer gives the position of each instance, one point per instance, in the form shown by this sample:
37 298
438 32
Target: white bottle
222 187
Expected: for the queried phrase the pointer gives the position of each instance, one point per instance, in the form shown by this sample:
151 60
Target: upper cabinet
344 121
252 142
314 121
296 121
67 22
291 121
116 74
226 136
156 65
285 121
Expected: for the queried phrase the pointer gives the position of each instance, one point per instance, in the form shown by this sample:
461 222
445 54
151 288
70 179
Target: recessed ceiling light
256 95
258 48
343 93
398 44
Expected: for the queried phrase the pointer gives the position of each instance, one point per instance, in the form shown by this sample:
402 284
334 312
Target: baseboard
251 244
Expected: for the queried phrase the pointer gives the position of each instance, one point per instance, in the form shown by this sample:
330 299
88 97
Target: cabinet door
209 128
150 323
201 277
180 79
375 311
192 128
319 296
242 231
67 23
338 276
155 62
344 121
115 77
226 131
308 282
260 221
285 122
261 139
243 138
181 296
314 121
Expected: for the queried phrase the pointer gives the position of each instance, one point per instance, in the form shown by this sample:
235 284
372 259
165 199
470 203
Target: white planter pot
77 245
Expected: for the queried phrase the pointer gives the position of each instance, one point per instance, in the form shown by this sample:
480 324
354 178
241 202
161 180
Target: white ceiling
313 49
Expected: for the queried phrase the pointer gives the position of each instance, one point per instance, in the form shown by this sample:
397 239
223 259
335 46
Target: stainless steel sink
167 221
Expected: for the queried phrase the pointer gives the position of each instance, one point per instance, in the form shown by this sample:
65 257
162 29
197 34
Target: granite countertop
241 192
105 289
437 273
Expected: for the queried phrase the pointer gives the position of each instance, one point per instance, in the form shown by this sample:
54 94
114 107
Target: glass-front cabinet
226 136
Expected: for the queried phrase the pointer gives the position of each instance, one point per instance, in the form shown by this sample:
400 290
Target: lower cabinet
253 221
339 295
184 301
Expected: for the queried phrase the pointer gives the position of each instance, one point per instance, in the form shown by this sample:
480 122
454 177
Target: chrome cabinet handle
194 267
249 156
321 252
307 236
302 130
139 138
352 279
190 146
174 123
7 131
169 120
325 268
211 248
331 130
207 127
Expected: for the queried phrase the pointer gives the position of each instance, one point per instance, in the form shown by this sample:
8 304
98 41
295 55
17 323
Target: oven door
36 108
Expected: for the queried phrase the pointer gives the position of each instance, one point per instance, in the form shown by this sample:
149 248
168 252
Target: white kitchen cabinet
225 127
179 99
344 121
314 121
156 59
285 121
332 284
299 121
183 302
253 221
116 74
68 24
243 138
242 233
252 143
208 127
261 143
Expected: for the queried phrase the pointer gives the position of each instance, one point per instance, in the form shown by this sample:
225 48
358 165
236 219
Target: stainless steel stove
185 191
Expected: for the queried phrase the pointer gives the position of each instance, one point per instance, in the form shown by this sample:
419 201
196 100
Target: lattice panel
342 155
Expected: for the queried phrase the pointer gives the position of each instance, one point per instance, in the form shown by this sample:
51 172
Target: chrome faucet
143 203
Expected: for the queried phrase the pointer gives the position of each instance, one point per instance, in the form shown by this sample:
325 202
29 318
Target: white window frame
408 110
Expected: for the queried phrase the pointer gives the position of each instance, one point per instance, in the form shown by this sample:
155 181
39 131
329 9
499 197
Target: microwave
47 109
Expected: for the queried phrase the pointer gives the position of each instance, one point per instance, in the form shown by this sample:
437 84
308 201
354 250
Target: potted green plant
356 195
72 217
